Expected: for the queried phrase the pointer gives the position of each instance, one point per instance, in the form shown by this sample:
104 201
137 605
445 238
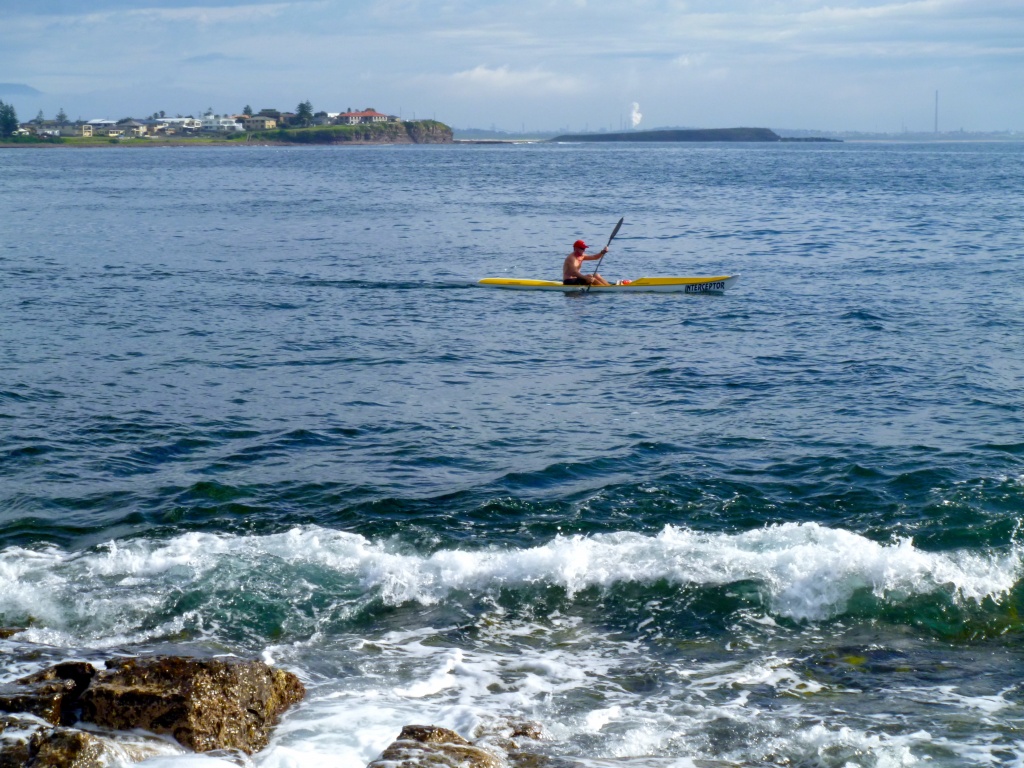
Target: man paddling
571 274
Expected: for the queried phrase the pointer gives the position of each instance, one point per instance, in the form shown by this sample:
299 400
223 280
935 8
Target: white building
182 124
211 124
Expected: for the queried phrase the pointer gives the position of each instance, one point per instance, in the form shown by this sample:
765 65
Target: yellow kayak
640 285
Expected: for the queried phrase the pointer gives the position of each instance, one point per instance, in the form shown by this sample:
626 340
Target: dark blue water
252 400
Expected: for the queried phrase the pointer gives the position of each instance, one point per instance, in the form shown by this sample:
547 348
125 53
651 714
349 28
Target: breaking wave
804 572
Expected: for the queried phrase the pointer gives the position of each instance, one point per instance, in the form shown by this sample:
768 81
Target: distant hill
906 136
18 89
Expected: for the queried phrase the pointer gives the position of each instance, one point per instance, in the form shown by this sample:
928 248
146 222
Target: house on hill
109 128
368 115
260 123
133 128
180 125
218 124
79 129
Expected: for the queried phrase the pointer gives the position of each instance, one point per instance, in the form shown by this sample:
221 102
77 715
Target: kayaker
571 274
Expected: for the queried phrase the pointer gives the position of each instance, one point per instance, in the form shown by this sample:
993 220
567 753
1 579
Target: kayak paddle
614 233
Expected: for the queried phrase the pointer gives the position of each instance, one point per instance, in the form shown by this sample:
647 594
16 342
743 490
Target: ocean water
253 402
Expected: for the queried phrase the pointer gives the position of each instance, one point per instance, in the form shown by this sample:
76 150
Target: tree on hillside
40 118
304 113
247 111
62 116
8 119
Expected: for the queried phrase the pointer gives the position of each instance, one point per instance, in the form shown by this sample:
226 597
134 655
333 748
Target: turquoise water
252 401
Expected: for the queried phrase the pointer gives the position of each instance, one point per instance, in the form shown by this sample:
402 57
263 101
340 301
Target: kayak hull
716 284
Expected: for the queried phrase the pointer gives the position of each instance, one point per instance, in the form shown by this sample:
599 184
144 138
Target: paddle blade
614 233
616 230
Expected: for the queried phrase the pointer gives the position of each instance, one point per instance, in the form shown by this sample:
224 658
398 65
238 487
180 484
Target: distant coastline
689 135
495 136
433 132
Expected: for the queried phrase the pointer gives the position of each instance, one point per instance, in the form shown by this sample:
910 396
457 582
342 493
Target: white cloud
824 63
506 79
214 15
110 21
688 61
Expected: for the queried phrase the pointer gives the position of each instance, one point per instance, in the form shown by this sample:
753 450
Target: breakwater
687 134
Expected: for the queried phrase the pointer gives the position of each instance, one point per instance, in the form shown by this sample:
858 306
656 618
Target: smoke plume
635 115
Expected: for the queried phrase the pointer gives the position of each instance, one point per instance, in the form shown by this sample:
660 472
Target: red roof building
366 116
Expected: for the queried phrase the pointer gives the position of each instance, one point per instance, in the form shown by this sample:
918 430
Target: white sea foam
442 677
599 718
563 670
196 761
579 702
804 572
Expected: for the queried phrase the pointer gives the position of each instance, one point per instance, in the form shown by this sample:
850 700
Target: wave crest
804 572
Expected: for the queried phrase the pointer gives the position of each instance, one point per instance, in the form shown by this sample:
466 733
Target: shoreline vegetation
405 132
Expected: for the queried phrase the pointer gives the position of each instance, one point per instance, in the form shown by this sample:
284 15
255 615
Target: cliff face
429 132
408 132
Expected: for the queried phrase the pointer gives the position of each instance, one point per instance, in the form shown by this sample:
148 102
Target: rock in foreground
28 743
205 704
51 694
429 746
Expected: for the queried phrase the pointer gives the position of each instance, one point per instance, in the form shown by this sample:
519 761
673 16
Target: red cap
580 244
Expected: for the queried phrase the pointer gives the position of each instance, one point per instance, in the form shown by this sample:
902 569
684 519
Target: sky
528 65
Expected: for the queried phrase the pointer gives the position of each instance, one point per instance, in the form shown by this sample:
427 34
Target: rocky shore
409 132
73 715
